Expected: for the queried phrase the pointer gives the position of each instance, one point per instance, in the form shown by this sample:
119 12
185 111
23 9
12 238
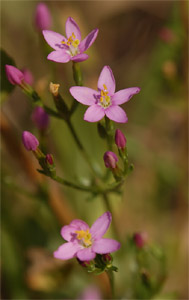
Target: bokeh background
145 44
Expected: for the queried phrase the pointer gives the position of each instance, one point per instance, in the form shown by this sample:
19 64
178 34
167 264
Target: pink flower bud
14 75
120 139
49 159
30 141
110 159
140 239
42 17
107 258
40 118
28 77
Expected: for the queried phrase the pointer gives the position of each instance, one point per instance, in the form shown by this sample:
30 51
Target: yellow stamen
85 236
73 35
75 43
105 87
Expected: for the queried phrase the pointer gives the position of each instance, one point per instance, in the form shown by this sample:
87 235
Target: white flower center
105 100
72 44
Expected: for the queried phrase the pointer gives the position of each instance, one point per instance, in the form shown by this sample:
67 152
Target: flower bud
110 159
28 77
120 139
40 118
30 141
14 75
49 159
42 17
84 264
107 258
53 87
140 239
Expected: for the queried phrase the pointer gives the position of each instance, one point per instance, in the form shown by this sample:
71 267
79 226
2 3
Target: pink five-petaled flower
84 242
70 48
104 101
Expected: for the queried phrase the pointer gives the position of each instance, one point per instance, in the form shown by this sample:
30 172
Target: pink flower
110 159
42 17
30 141
14 75
84 242
104 101
70 48
120 139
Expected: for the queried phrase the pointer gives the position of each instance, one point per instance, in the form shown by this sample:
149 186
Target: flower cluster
83 242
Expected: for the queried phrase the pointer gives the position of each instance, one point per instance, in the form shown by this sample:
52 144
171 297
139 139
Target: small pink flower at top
84 242
70 47
104 101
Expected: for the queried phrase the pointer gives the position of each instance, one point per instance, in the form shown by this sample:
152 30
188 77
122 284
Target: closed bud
14 75
49 159
120 139
30 141
42 17
40 118
107 258
140 239
110 160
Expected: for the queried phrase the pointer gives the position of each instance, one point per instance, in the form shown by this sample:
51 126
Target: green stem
80 146
111 280
73 185
78 78
110 132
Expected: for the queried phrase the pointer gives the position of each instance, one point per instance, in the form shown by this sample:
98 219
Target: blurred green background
145 44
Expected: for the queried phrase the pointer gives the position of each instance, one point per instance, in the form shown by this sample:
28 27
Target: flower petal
86 254
125 95
84 95
100 226
79 224
116 113
80 57
94 113
59 56
68 233
54 39
67 251
88 41
106 77
72 27
104 246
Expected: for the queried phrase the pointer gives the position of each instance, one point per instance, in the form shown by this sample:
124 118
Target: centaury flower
84 242
104 101
71 47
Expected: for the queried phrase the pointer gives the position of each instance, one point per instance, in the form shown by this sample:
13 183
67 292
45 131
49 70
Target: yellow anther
105 87
73 35
75 43
85 236
63 42
101 99
107 98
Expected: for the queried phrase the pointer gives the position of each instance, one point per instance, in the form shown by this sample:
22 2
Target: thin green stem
80 146
110 132
111 280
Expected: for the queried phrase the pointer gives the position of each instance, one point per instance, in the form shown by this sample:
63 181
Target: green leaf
5 86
